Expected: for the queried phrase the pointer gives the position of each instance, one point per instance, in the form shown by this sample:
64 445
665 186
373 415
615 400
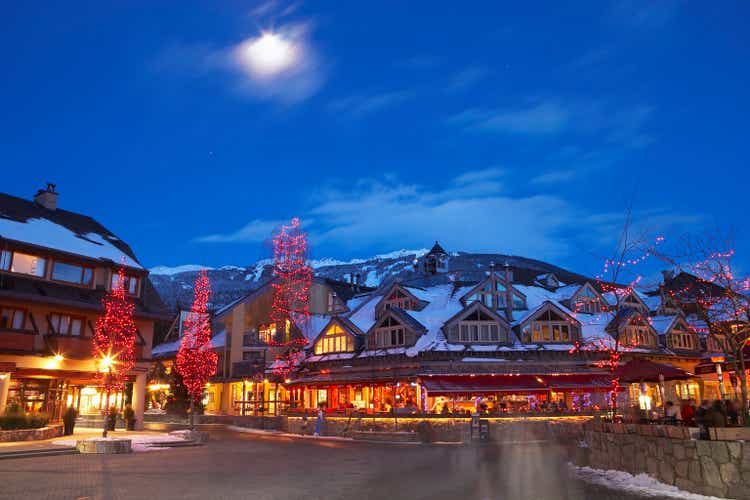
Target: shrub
23 421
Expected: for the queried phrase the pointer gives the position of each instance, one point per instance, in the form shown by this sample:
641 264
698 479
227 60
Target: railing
17 340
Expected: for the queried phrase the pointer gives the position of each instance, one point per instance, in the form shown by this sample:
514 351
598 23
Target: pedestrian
732 413
716 415
688 412
319 422
701 418
672 413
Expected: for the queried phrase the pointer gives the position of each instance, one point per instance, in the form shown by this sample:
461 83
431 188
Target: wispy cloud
361 105
466 78
643 15
542 118
254 231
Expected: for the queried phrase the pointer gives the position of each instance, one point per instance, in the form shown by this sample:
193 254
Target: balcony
247 369
69 346
17 341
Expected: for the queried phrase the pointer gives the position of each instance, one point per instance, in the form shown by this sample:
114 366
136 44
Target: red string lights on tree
114 337
291 295
196 360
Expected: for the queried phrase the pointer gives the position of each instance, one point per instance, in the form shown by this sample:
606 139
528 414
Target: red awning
484 384
644 370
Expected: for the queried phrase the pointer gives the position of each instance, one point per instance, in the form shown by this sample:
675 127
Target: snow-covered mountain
175 284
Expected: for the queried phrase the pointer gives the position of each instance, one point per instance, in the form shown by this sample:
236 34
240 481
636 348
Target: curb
307 437
43 452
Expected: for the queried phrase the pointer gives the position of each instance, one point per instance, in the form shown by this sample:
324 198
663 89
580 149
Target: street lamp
717 361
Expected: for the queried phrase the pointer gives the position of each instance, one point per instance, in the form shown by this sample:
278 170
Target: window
587 301
550 327
131 283
23 263
335 339
477 327
493 294
11 318
681 338
63 324
389 334
717 343
5 260
638 333
267 333
71 273
256 356
331 302
400 300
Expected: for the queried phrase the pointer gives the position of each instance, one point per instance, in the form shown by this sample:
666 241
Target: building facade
55 267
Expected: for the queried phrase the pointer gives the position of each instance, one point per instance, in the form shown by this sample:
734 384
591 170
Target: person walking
319 422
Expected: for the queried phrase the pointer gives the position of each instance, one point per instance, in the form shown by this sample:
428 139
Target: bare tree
721 301
618 281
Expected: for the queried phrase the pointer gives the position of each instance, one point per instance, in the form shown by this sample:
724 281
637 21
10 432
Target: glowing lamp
717 359
58 358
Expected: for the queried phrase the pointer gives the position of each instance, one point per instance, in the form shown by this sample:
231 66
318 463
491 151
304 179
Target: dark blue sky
505 128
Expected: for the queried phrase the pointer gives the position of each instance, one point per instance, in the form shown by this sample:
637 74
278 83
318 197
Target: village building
55 268
504 337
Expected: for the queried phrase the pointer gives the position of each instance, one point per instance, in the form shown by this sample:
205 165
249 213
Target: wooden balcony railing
21 341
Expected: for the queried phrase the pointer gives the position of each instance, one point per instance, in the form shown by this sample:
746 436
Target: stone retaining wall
718 468
49 432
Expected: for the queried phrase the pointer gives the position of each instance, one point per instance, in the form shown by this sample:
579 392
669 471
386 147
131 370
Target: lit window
477 327
27 264
550 327
11 318
334 340
493 295
389 334
267 333
63 324
71 273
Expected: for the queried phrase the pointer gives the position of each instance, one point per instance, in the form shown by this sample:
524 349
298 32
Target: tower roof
437 249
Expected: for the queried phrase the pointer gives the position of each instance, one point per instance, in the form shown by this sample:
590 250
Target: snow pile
641 484
138 443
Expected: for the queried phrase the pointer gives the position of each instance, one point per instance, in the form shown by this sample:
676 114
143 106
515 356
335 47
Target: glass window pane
17 319
87 276
27 264
64 324
5 260
545 333
66 272
132 285
75 327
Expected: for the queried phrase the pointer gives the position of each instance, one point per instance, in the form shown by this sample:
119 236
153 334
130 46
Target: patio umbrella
644 370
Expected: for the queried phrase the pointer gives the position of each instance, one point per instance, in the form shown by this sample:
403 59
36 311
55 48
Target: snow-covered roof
313 326
45 233
662 324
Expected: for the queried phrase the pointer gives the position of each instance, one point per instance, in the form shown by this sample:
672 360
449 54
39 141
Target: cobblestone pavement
250 466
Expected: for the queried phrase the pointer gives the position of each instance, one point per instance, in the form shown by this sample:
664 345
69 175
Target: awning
519 384
643 370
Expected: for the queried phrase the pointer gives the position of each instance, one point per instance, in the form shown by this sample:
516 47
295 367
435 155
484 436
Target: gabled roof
344 323
437 249
403 317
473 307
28 222
547 304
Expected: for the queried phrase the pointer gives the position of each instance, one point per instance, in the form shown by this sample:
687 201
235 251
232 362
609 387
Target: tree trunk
106 414
192 413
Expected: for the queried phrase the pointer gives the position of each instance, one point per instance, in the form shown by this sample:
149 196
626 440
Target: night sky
496 128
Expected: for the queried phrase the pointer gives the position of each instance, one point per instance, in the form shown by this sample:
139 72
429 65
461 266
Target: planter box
105 446
48 432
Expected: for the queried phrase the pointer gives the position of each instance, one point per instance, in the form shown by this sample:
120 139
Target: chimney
508 293
47 198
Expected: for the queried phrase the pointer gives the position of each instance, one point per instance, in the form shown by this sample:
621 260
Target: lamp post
717 361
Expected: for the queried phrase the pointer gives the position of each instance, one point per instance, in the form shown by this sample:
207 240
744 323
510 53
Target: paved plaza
245 466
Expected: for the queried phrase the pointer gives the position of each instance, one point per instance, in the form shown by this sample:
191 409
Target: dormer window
477 325
131 283
267 333
23 263
401 300
681 338
334 340
587 301
638 333
493 294
390 333
71 273
550 326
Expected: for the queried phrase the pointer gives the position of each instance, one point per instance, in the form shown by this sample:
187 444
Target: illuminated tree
628 253
291 295
721 302
114 341
196 360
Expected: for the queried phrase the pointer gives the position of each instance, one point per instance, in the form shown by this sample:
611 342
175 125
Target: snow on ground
138 443
641 484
